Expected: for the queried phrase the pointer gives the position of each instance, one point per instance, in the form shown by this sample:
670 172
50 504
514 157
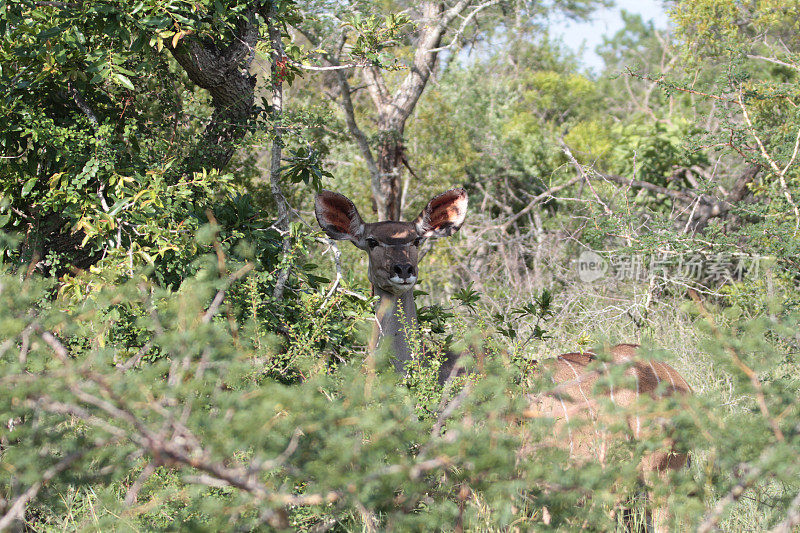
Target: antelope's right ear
339 218
443 215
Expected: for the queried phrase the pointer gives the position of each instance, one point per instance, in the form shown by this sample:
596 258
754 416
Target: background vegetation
181 348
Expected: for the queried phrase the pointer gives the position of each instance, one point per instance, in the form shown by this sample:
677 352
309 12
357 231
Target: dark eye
372 243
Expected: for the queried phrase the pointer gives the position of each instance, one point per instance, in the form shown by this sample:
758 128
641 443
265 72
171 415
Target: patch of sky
583 38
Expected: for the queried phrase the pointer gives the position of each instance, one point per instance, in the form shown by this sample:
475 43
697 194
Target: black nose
404 270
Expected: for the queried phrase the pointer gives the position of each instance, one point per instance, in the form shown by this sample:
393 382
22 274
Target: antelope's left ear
338 216
443 215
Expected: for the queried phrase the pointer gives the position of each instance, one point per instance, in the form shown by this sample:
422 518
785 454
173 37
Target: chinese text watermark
697 267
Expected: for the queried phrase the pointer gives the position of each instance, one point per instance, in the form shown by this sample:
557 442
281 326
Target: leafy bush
190 430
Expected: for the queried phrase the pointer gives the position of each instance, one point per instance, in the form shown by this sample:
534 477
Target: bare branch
775 61
583 173
51 406
467 20
358 135
71 5
337 262
133 361
133 491
435 23
282 458
376 85
539 198
56 346
327 68
220 296
445 411
81 104
350 115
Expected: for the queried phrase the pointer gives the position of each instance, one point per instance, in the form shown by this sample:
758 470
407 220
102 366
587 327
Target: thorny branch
792 517
781 173
751 375
172 445
17 510
711 519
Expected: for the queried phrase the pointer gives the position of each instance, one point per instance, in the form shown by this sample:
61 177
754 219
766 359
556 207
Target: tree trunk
223 73
390 157
394 111
278 63
394 108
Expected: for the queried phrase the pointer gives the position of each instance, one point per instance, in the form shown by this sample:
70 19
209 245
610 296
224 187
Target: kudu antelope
393 248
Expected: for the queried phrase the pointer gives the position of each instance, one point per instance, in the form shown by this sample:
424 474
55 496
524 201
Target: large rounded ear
443 215
338 216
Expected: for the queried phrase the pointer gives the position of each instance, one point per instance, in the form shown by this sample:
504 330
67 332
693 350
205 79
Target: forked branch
780 172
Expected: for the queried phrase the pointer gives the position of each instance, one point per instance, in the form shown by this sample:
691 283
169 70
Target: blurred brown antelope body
575 396
393 248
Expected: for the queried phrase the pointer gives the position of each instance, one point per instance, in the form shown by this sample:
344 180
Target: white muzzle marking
403 282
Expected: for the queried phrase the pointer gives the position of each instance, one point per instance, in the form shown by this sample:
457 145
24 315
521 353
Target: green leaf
124 81
50 32
28 186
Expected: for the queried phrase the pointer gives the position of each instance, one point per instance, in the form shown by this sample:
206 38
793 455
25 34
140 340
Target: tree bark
223 73
391 151
722 208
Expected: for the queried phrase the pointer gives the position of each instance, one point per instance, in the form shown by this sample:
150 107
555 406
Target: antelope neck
395 316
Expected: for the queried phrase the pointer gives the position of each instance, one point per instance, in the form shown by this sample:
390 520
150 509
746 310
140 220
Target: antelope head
393 246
